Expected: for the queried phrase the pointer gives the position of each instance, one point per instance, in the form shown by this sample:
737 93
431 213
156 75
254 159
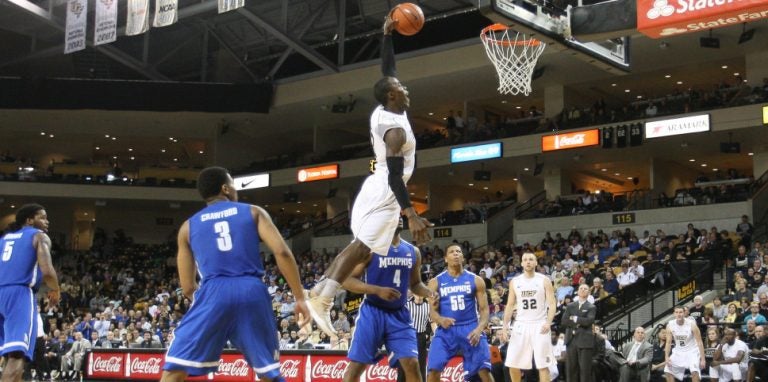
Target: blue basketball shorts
237 309
448 342
374 327
18 320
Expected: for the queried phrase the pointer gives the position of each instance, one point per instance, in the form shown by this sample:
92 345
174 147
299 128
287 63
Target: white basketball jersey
530 297
381 122
683 336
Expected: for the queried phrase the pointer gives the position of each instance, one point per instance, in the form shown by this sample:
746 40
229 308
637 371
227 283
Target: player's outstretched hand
445 322
388 294
504 333
419 228
54 296
545 328
302 312
389 24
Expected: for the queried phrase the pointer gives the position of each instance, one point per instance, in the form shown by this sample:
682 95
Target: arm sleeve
395 166
388 57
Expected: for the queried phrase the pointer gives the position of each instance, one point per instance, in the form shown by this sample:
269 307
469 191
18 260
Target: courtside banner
247 182
165 13
77 16
105 27
677 126
230 5
570 140
311 174
477 152
663 18
137 21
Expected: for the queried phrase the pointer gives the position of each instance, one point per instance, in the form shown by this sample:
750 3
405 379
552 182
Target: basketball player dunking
688 352
221 243
462 299
384 318
533 297
376 211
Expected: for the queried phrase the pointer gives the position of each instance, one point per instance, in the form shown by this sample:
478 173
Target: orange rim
485 36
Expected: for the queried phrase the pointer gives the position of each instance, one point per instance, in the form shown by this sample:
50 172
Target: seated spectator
597 291
754 315
733 313
718 309
564 290
149 342
71 362
611 285
625 278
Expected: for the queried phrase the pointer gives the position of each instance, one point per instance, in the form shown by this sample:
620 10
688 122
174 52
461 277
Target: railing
524 209
334 226
641 307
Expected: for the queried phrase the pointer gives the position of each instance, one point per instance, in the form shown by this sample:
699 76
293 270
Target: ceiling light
170 139
603 169
736 74
85 213
132 158
750 154
114 138
691 160
114 156
679 82
162 151
485 188
518 107
50 136
626 90
629 177
298 211
503 101
201 152
444 118
525 169
471 184
413 193
724 66
515 179
98 148
175 159
714 169
298 202
639 97
106 135
431 113
613 84
617 173
314 205
13 206
130 149
667 76
703 165
42 133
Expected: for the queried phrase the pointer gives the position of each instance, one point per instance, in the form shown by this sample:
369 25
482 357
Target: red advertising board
664 18
312 366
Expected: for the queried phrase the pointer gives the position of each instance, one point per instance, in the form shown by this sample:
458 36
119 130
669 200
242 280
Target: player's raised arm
417 286
185 261
388 49
284 258
482 310
42 244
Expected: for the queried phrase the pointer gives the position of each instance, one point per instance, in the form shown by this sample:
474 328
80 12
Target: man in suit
639 355
577 320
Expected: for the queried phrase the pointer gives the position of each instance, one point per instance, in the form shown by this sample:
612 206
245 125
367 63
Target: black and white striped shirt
419 315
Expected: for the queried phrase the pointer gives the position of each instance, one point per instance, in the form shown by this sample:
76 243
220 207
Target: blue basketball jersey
457 297
18 265
393 271
225 241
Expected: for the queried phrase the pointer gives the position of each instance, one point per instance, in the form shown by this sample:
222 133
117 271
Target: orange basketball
408 18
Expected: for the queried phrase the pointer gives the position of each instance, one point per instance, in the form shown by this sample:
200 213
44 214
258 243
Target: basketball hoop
513 55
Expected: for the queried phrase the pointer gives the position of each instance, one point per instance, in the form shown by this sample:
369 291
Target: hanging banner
105 27
138 17
230 5
664 18
165 13
77 16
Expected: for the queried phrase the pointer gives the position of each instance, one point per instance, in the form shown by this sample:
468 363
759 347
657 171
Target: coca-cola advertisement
327 367
144 365
233 367
380 372
106 365
454 371
293 367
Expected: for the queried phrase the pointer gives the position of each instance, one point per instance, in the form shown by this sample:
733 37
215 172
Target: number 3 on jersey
224 241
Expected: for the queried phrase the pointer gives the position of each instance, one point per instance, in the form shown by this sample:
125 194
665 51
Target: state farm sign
662 18
570 140
677 126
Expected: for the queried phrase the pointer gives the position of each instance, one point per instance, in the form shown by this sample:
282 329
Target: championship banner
230 5
138 17
105 27
77 16
166 13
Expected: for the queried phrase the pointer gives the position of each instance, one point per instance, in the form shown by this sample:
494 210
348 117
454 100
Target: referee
420 320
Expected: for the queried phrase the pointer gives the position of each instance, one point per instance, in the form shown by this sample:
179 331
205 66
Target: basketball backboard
543 20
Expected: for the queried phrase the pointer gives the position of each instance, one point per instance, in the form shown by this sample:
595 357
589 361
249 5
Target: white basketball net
513 56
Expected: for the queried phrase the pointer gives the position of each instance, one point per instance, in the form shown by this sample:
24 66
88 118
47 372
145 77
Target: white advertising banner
230 5
166 13
677 126
105 27
138 17
77 16
248 182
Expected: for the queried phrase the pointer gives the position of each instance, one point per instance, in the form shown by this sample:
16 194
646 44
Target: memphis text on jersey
466 288
395 262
